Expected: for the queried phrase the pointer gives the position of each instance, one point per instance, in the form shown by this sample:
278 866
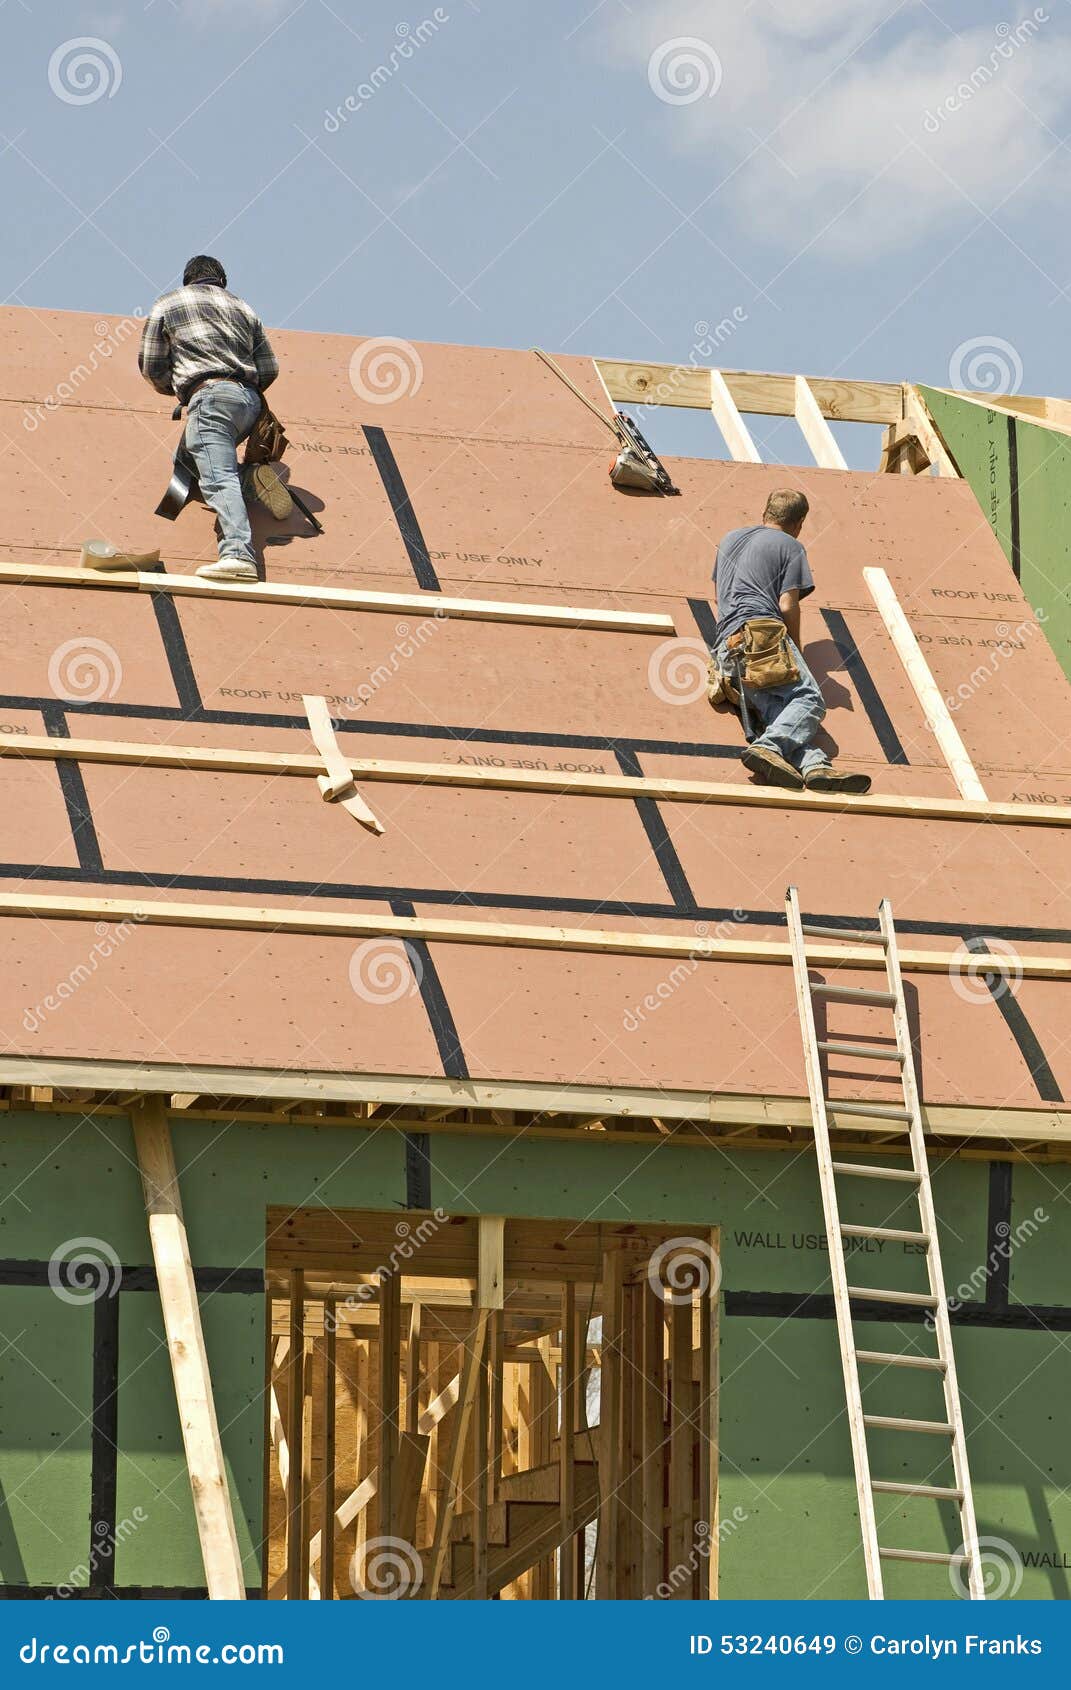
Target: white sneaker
229 569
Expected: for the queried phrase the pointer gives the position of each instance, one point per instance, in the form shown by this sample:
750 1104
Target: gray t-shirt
754 566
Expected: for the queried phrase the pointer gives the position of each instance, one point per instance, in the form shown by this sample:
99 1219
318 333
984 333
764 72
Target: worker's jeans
789 717
221 414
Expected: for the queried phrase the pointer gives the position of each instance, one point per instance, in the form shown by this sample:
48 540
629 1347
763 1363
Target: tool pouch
720 689
630 470
267 440
762 645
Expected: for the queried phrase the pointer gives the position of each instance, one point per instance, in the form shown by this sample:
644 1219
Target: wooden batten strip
666 789
433 930
344 598
936 711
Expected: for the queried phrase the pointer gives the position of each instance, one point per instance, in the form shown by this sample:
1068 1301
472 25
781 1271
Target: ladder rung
940 1557
881 1111
885 1358
921 1299
893 1487
866 1171
854 994
896 1424
890 1232
870 1053
850 935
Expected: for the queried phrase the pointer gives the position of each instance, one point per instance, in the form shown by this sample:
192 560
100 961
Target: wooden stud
474 1351
607 1568
327 1511
481 1487
917 418
709 1415
412 1368
936 711
491 1258
296 1539
680 1448
570 1388
734 430
224 1574
654 1441
816 431
390 1308
497 1428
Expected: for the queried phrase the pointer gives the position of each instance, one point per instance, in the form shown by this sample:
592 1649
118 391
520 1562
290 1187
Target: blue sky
856 187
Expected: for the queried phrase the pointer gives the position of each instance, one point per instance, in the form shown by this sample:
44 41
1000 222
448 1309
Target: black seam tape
1019 1027
863 681
670 866
104 1441
998 1231
75 797
401 505
1014 513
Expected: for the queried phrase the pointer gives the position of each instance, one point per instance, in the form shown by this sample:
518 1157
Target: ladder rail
837 1266
941 1321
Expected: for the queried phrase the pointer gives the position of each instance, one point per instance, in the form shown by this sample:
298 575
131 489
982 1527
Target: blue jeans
789 717
220 415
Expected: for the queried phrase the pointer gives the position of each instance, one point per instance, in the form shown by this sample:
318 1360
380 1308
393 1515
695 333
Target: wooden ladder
934 1300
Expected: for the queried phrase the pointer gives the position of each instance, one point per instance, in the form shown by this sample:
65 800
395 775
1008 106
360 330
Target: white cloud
837 89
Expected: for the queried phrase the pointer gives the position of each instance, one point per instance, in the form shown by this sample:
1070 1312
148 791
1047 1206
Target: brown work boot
771 768
830 779
264 484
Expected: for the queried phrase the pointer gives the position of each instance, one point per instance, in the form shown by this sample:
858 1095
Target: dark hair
204 269
786 507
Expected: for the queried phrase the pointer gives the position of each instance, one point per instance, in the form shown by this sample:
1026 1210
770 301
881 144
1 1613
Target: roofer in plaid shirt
209 347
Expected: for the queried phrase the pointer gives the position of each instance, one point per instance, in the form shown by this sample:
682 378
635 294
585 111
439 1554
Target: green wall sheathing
788 1504
1020 473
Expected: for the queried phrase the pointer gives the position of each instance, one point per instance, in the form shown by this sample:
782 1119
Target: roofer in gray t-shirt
764 572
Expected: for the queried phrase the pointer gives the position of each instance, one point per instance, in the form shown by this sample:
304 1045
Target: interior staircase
524 1525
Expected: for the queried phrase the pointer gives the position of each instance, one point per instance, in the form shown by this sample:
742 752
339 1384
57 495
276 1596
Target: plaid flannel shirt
203 330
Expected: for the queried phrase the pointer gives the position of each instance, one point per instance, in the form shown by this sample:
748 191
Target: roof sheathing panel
506 476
